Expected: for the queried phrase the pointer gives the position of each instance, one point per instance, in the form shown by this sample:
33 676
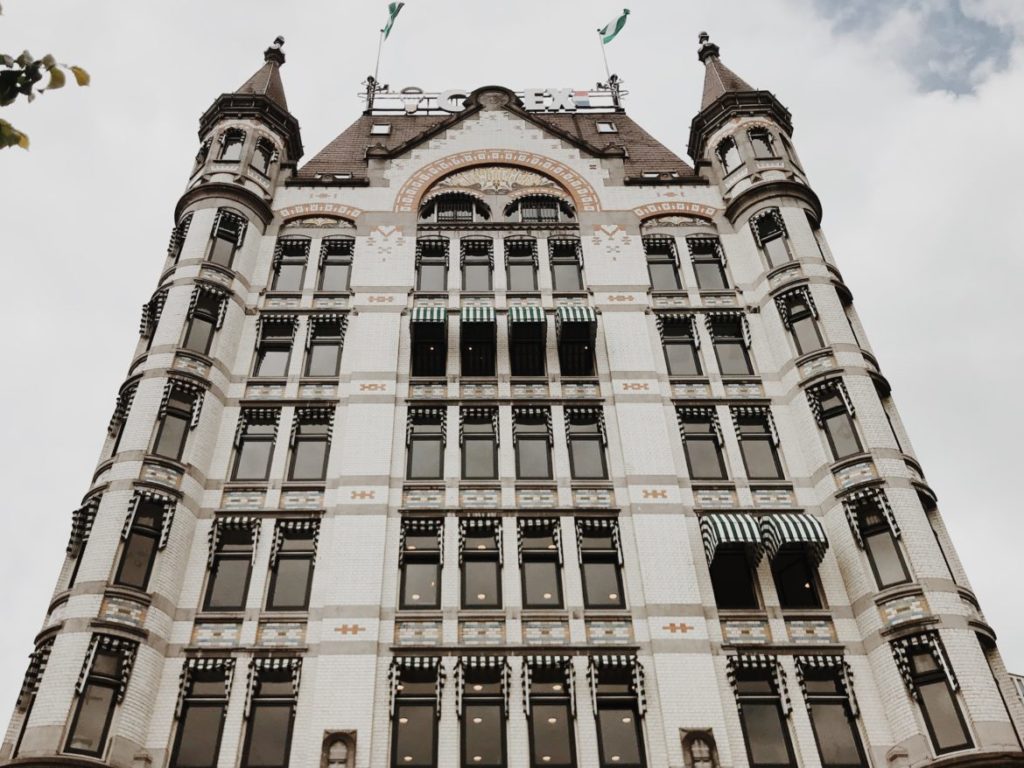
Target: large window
527 332
336 264
226 238
271 713
833 411
480 557
478 334
600 554
432 264
798 313
616 694
232 548
770 234
274 348
577 333
708 263
531 431
926 671
454 208
291 565
702 443
415 709
540 555
420 563
179 412
254 443
830 705
477 264
728 154
585 434
142 540
324 344
204 318
755 430
876 531
680 341
231 143
482 712
100 688
795 575
206 686
425 439
764 723
662 262
732 579
521 264
540 209
731 339
290 257
479 436
566 264
429 330
311 443
550 712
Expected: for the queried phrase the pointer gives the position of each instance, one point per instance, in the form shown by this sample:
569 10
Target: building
498 434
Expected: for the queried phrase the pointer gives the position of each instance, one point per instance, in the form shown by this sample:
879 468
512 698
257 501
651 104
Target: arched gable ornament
697 210
333 215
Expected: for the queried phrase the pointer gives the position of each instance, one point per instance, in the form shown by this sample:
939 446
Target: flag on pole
609 31
393 9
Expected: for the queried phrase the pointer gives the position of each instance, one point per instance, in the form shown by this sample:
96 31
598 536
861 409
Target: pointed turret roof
718 78
267 80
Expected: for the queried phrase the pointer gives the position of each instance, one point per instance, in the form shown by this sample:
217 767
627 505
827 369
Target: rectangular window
730 341
429 331
566 264
835 729
662 262
550 716
795 579
756 434
586 437
883 552
203 709
174 424
619 735
97 698
228 231
764 724
326 335
835 418
732 579
477 342
231 565
415 716
600 563
538 209
532 435
290 257
336 264
770 233
479 444
708 263
268 734
274 349
291 565
204 318
577 332
483 716
521 263
527 331
480 554
432 265
425 438
798 315
702 444
763 143
311 444
141 543
678 336
254 444
540 555
477 261
420 561
938 703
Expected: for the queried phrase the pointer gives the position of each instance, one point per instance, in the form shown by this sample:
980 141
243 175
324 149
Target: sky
907 117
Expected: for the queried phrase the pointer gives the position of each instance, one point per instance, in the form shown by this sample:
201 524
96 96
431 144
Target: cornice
232 192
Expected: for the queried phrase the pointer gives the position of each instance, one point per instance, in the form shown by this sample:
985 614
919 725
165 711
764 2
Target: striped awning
733 528
525 314
576 314
429 314
794 529
477 315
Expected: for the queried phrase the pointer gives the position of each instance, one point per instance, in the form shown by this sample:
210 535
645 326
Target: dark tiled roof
267 82
719 80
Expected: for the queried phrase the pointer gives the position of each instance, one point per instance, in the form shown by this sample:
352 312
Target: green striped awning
524 314
477 315
794 528
429 314
734 528
576 314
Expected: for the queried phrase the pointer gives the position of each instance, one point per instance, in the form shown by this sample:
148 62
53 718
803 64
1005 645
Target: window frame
691 439
532 435
729 158
141 531
575 435
722 337
561 699
433 557
730 553
747 439
202 311
600 556
219 555
621 703
545 556
527 258
790 556
290 259
307 553
476 253
558 258
760 137
839 699
265 150
96 679
672 337
774 698
174 410
190 700
247 438
839 409
937 677
473 438
670 259
492 556
268 702
319 337
266 343
438 258
422 436
342 258
231 138
706 251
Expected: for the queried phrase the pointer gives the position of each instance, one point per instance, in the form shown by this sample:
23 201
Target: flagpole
380 44
604 54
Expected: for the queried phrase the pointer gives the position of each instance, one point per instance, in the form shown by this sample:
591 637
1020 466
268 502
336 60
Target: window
876 531
425 439
585 434
202 153
274 348
732 579
290 257
482 712
336 264
291 565
731 340
834 411
521 263
311 443
728 154
142 540
825 683
540 558
205 687
539 209
380 129
566 264
600 553
478 332
576 327
324 345
795 579
763 142
432 265
761 716
798 313
233 546
178 235
254 443
527 331
662 262
477 263
479 427
926 671
151 312
755 430
454 208
619 736
420 561
770 234
415 711
480 553
604 126
264 155
82 520
708 263
179 412
271 713
226 238
231 143
339 751
702 443
429 331
550 712
531 433
680 341
699 750
205 317
100 689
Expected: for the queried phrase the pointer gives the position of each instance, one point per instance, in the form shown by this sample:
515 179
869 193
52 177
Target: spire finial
274 52
706 49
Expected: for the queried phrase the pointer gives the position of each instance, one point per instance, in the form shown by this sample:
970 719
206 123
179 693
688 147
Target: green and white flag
609 31
393 9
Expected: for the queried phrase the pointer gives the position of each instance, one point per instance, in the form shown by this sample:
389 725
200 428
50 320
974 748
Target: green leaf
11 136
81 76
57 79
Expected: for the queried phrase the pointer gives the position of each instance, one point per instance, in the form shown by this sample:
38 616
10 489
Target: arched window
203 153
231 142
763 142
264 155
540 209
454 207
699 750
728 154
339 750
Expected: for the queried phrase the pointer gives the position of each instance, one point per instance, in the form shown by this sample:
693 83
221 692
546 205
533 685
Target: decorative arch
412 191
653 210
319 215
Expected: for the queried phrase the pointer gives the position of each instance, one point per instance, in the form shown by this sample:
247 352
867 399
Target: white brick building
498 435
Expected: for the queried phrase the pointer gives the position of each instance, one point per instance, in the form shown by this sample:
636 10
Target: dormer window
728 154
606 126
540 209
231 142
455 207
763 143
380 129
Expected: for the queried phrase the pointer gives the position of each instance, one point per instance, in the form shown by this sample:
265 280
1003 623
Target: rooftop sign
413 100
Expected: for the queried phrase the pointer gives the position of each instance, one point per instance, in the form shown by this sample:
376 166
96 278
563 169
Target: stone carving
497 179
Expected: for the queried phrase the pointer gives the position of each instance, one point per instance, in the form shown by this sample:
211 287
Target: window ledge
410 614
226 271
910 589
668 292
163 461
849 461
130 593
304 485
279 615
273 294
742 614
225 616
807 357
796 614
774 272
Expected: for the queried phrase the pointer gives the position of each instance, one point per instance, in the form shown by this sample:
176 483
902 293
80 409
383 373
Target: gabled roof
718 78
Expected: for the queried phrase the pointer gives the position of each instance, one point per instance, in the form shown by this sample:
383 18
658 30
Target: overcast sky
908 119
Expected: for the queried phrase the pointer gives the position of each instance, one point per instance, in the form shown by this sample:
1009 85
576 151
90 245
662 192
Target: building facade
496 434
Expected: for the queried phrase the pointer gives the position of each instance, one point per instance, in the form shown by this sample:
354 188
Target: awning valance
525 314
477 315
576 314
794 529
429 314
733 528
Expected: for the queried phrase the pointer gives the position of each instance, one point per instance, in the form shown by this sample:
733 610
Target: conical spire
718 78
267 80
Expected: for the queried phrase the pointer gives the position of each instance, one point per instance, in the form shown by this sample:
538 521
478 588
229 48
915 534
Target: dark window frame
734 553
832 412
223 554
420 433
321 434
772 698
561 699
559 255
431 251
578 431
176 411
531 430
96 679
707 252
655 256
521 252
491 555
838 698
140 529
325 334
728 153
747 438
415 555
267 343
477 252
307 553
934 678
268 702
799 311
189 701
251 438
294 252
336 252
544 556
266 152
601 556
724 335
206 309
763 143
696 436
477 440
789 557
680 333
873 523
229 140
